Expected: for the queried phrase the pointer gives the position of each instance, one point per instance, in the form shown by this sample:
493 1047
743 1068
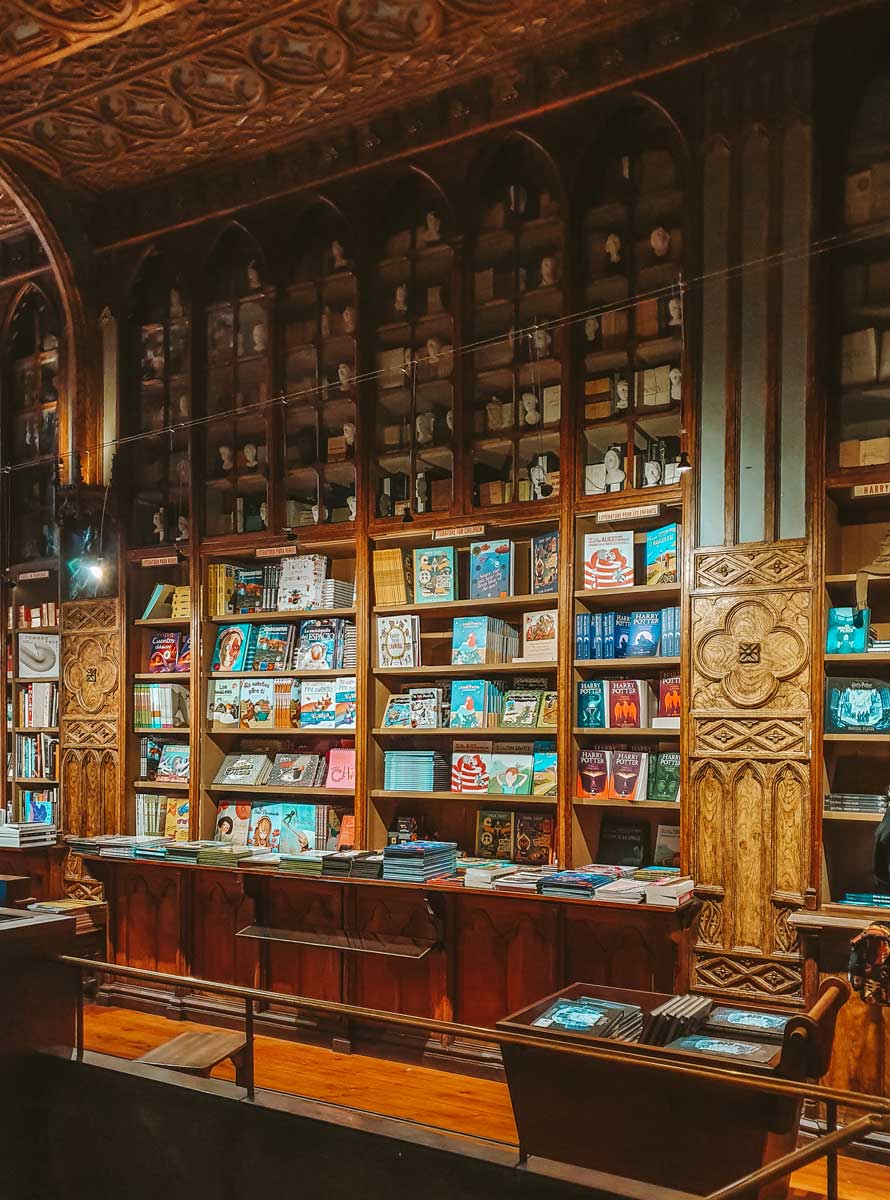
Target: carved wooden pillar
91 734
753 572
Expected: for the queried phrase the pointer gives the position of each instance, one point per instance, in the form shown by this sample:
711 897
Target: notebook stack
310 862
416 771
621 891
578 885
524 880
21 835
152 847
484 874
120 846
219 854
677 1017
341 863
418 862
187 852
369 866
337 593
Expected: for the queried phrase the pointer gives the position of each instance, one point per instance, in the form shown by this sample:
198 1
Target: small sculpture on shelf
176 309
181 406
351 505
613 249
421 492
622 395
651 473
432 231
537 473
226 457
349 318
449 420
251 456
344 375
517 199
349 438
159 524
549 271
50 341
614 472
400 301
660 241
675 378
264 514
531 413
254 283
424 424
339 261
541 341
592 330
183 528
675 311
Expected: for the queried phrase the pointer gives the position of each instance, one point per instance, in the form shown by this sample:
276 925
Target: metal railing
875 1110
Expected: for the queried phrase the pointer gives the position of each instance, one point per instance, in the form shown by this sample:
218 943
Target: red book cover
669 696
627 704
341 769
164 653
628 775
593 775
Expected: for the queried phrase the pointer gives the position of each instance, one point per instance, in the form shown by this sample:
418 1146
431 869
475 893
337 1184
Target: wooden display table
458 954
624 1118
44 864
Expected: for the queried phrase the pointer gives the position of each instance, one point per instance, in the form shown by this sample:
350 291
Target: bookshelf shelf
35 728
468 671
264 789
277 731
160 785
518 732
183 729
163 676
653 662
262 618
644 593
857 737
288 674
628 805
31 679
619 732
866 818
492 798
45 782
163 622
874 659
494 604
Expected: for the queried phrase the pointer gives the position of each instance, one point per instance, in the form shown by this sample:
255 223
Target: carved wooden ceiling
107 94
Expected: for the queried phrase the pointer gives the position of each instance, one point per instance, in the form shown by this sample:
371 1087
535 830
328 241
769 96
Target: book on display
512 769
491 569
545 563
470 765
434 574
608 560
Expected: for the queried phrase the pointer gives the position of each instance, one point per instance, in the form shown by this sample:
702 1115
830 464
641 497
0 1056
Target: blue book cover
847 630
622 634
857 705
233 643
491 570
297 829
545 775
662 563
434 574
272 648
469 640
468 704
645 634
592 704
317 650
596 636
545 562
608 635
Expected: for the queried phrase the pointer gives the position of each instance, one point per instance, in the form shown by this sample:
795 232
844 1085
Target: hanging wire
823 246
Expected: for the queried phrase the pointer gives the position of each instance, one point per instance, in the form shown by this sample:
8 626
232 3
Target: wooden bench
198 1053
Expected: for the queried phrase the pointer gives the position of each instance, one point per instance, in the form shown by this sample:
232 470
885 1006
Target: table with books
679 1132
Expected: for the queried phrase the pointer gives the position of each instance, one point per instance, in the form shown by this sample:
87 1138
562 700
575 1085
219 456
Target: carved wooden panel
750 781
397 985
304 970
218 899
90 702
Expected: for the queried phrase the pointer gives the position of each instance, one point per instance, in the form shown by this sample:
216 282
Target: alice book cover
539 636
225 704
317 647
468 707
233 824
434 574
521 709
257 704
545 563
469 640
273 646
297 828
173 765
644 636
232 645
593 699
628 774
534 839
593 774
341 768
495 834
512 769
662 555
848 631
344 702
857 705
164 653
318 708
470 765
491 570
265 826
608 560
544 769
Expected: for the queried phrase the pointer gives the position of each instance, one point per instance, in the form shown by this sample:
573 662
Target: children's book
295 770
593 774
512 769
470 765
265 826
274 644
667 846
644 636
628 703
173 765
317 649
544 769
491 569
425 707
225 704
344 702
848 631
397 641
469 640
318 705
301 585
159 602
623 843
539 635
247 596
176 820
545 563
341 768
243 770
857 705
433 574
593 701
662 562
164 653
521 709
397 714
668 715
628 774
549 711
257 704
184 658
468 704
233 824
232 647
495 834
534 839
608 560
297 828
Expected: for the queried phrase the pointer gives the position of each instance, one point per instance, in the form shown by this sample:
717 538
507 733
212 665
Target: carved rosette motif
300 51
90 16
750 712
389 24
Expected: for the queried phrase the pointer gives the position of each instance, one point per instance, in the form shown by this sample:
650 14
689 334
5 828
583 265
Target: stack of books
594 1017
37 616
416 771
294 584
152 848
484 874
342 863
38 705
476 640
581 884
629 703
418 862
160 706
311 862
628 775
856 802
219 854
37 755
90 916
26 835
151 814
525 880
368 866
677 1017
475 704
392 574
118 846
670 893
187 852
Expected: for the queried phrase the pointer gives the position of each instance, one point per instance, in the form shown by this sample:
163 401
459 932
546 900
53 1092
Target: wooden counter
486 954
44 865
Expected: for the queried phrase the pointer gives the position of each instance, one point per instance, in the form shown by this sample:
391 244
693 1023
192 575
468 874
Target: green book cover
664 779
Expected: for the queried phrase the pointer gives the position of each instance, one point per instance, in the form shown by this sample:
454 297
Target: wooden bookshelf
266 618
643 595
459 607
537 668
624 732
651 663
163 622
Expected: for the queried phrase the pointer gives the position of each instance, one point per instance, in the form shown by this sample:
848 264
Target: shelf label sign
607 515
863 490
33 575
276 551
459 531
161 560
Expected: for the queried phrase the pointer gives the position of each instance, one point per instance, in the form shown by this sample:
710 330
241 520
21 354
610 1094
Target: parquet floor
437 1098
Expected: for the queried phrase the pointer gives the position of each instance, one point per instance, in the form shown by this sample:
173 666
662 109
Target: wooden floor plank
437 1098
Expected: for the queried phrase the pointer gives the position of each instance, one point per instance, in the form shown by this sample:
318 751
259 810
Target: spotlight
97 569
683 463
